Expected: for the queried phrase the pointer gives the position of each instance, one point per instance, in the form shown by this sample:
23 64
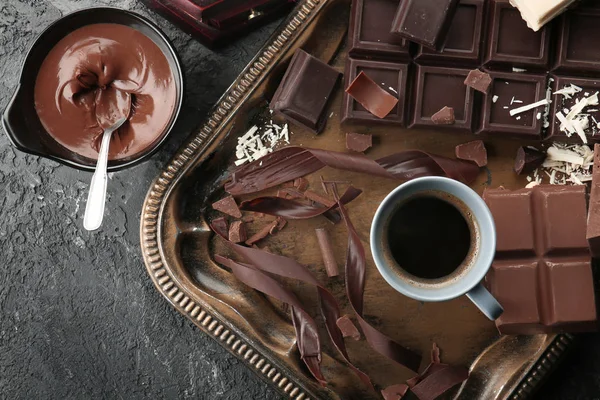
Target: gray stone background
79 317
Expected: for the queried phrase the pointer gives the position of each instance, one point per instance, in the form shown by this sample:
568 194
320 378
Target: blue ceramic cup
467 277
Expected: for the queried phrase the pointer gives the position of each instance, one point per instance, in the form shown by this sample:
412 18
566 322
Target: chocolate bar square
391 76
514 90
550 290
562 104
512 43
439 87
369 33
579 41
305 90
463 42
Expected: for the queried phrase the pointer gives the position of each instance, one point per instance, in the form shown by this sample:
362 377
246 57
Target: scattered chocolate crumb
479 80
318 198
327 252
237 232
444 117
472 151
358 142
528 160
263 233
301 184
347 327
227 205
394 392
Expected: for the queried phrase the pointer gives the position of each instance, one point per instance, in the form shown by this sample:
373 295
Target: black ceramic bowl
20 120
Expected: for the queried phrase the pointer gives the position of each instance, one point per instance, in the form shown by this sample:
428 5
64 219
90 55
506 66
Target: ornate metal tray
178 246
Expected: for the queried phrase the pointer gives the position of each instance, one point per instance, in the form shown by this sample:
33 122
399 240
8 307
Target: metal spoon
112 110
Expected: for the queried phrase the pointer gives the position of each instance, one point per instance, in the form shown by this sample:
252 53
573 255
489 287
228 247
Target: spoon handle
94 209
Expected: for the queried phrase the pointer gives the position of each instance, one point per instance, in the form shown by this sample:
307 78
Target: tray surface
178 246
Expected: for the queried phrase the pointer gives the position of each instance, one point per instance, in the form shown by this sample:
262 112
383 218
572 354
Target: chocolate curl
307 336
327 252
293 162
291 209
288 268
355 285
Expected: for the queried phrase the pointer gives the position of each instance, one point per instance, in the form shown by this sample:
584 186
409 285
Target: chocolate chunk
479 80
227 205
528 160
369 33
331 266
301 184
578 40
463 41
514 90
473 151
439 87
305 90
512 43
593 221
347 327
391 76
371 96
394 392
263 233
424 21
237 232
357 142
444 117
542 272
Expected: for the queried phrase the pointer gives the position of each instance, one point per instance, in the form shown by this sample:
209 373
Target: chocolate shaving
472 151
301 184
479 80
323 185
237 232
444 117
435 354
371 96
288 268
355 268
293 162
327 252
394 392
528 160
228 206
358 142
263 233
290 193
317 198
347 327
280 224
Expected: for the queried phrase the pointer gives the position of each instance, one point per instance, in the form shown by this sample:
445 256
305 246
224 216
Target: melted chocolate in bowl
100 57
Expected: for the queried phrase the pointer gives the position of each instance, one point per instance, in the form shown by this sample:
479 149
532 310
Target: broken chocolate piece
542 272
317 198
281 223
358 142
327 252
293 162
528 160
301 184
394 392
444 117
261 234
371 96
479 80
473 151
348 328
305 90
539 13
593 220
227 205
424 21
237 232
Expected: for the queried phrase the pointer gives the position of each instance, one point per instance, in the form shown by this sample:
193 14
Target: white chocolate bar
539 12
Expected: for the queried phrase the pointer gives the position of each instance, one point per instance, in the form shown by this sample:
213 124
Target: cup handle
484 300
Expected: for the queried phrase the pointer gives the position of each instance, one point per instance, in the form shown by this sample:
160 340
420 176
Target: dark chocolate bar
424 21
512 43
579 41
369 33
391 76
593 221
305 90
542 271
514 90
464 38
439 87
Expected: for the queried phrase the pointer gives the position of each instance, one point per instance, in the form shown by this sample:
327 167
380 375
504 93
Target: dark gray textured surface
79 317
